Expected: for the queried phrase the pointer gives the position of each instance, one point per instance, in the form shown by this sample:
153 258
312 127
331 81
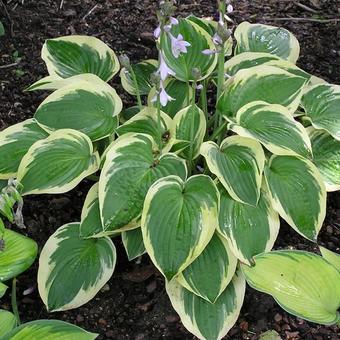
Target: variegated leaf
265 83
72 270
304 284
205 320
266 38
91 224
238 163
58 163
274 127
49 330
326 157
209 275
132 165
14 144
146 121
199 40
142 72
175 89
322 106
71 55
298 193
18 254
189 125
133 243
179 219
88 107
249 230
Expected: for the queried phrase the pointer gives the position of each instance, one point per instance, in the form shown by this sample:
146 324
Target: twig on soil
61 4
306 8
320 21
90 11
8 65
8 17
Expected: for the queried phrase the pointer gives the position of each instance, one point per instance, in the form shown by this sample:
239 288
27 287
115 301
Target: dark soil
134 304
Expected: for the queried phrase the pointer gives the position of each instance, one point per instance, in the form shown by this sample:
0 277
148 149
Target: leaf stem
159 125
14 301
219 131
139 99
192 129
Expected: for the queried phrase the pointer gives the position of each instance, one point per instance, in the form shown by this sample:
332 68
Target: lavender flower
164 97
157 32
173 21
164 70
209 52
178 45
217 39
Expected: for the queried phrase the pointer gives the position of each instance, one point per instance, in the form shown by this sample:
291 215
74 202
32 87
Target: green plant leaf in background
249 230
133 243
209 275
72 270
331 257
274 127
71 55
3 289
238 164
49 330
265 83
205 320
175 89
265 38
143 72
14 144
270 335
179 219
326 157
199 40
90 108
322 107
146 121
2 29
298 193
18 254
132 165
91 224
189 125
304 284
58 163
247 60
7 322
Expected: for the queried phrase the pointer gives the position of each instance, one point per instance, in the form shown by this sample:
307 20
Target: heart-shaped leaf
72 270
14 144
298 193
238 163
132 165
249 230
204 319
274 127
58 163
179 219
209 275
71 55
89 107
265 38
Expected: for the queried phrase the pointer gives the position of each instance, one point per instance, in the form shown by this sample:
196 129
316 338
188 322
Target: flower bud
223 32
155 79
167 8
125 61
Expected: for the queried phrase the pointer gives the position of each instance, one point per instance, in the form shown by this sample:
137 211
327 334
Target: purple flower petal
157 32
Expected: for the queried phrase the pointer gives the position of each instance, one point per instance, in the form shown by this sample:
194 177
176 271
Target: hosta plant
226 137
